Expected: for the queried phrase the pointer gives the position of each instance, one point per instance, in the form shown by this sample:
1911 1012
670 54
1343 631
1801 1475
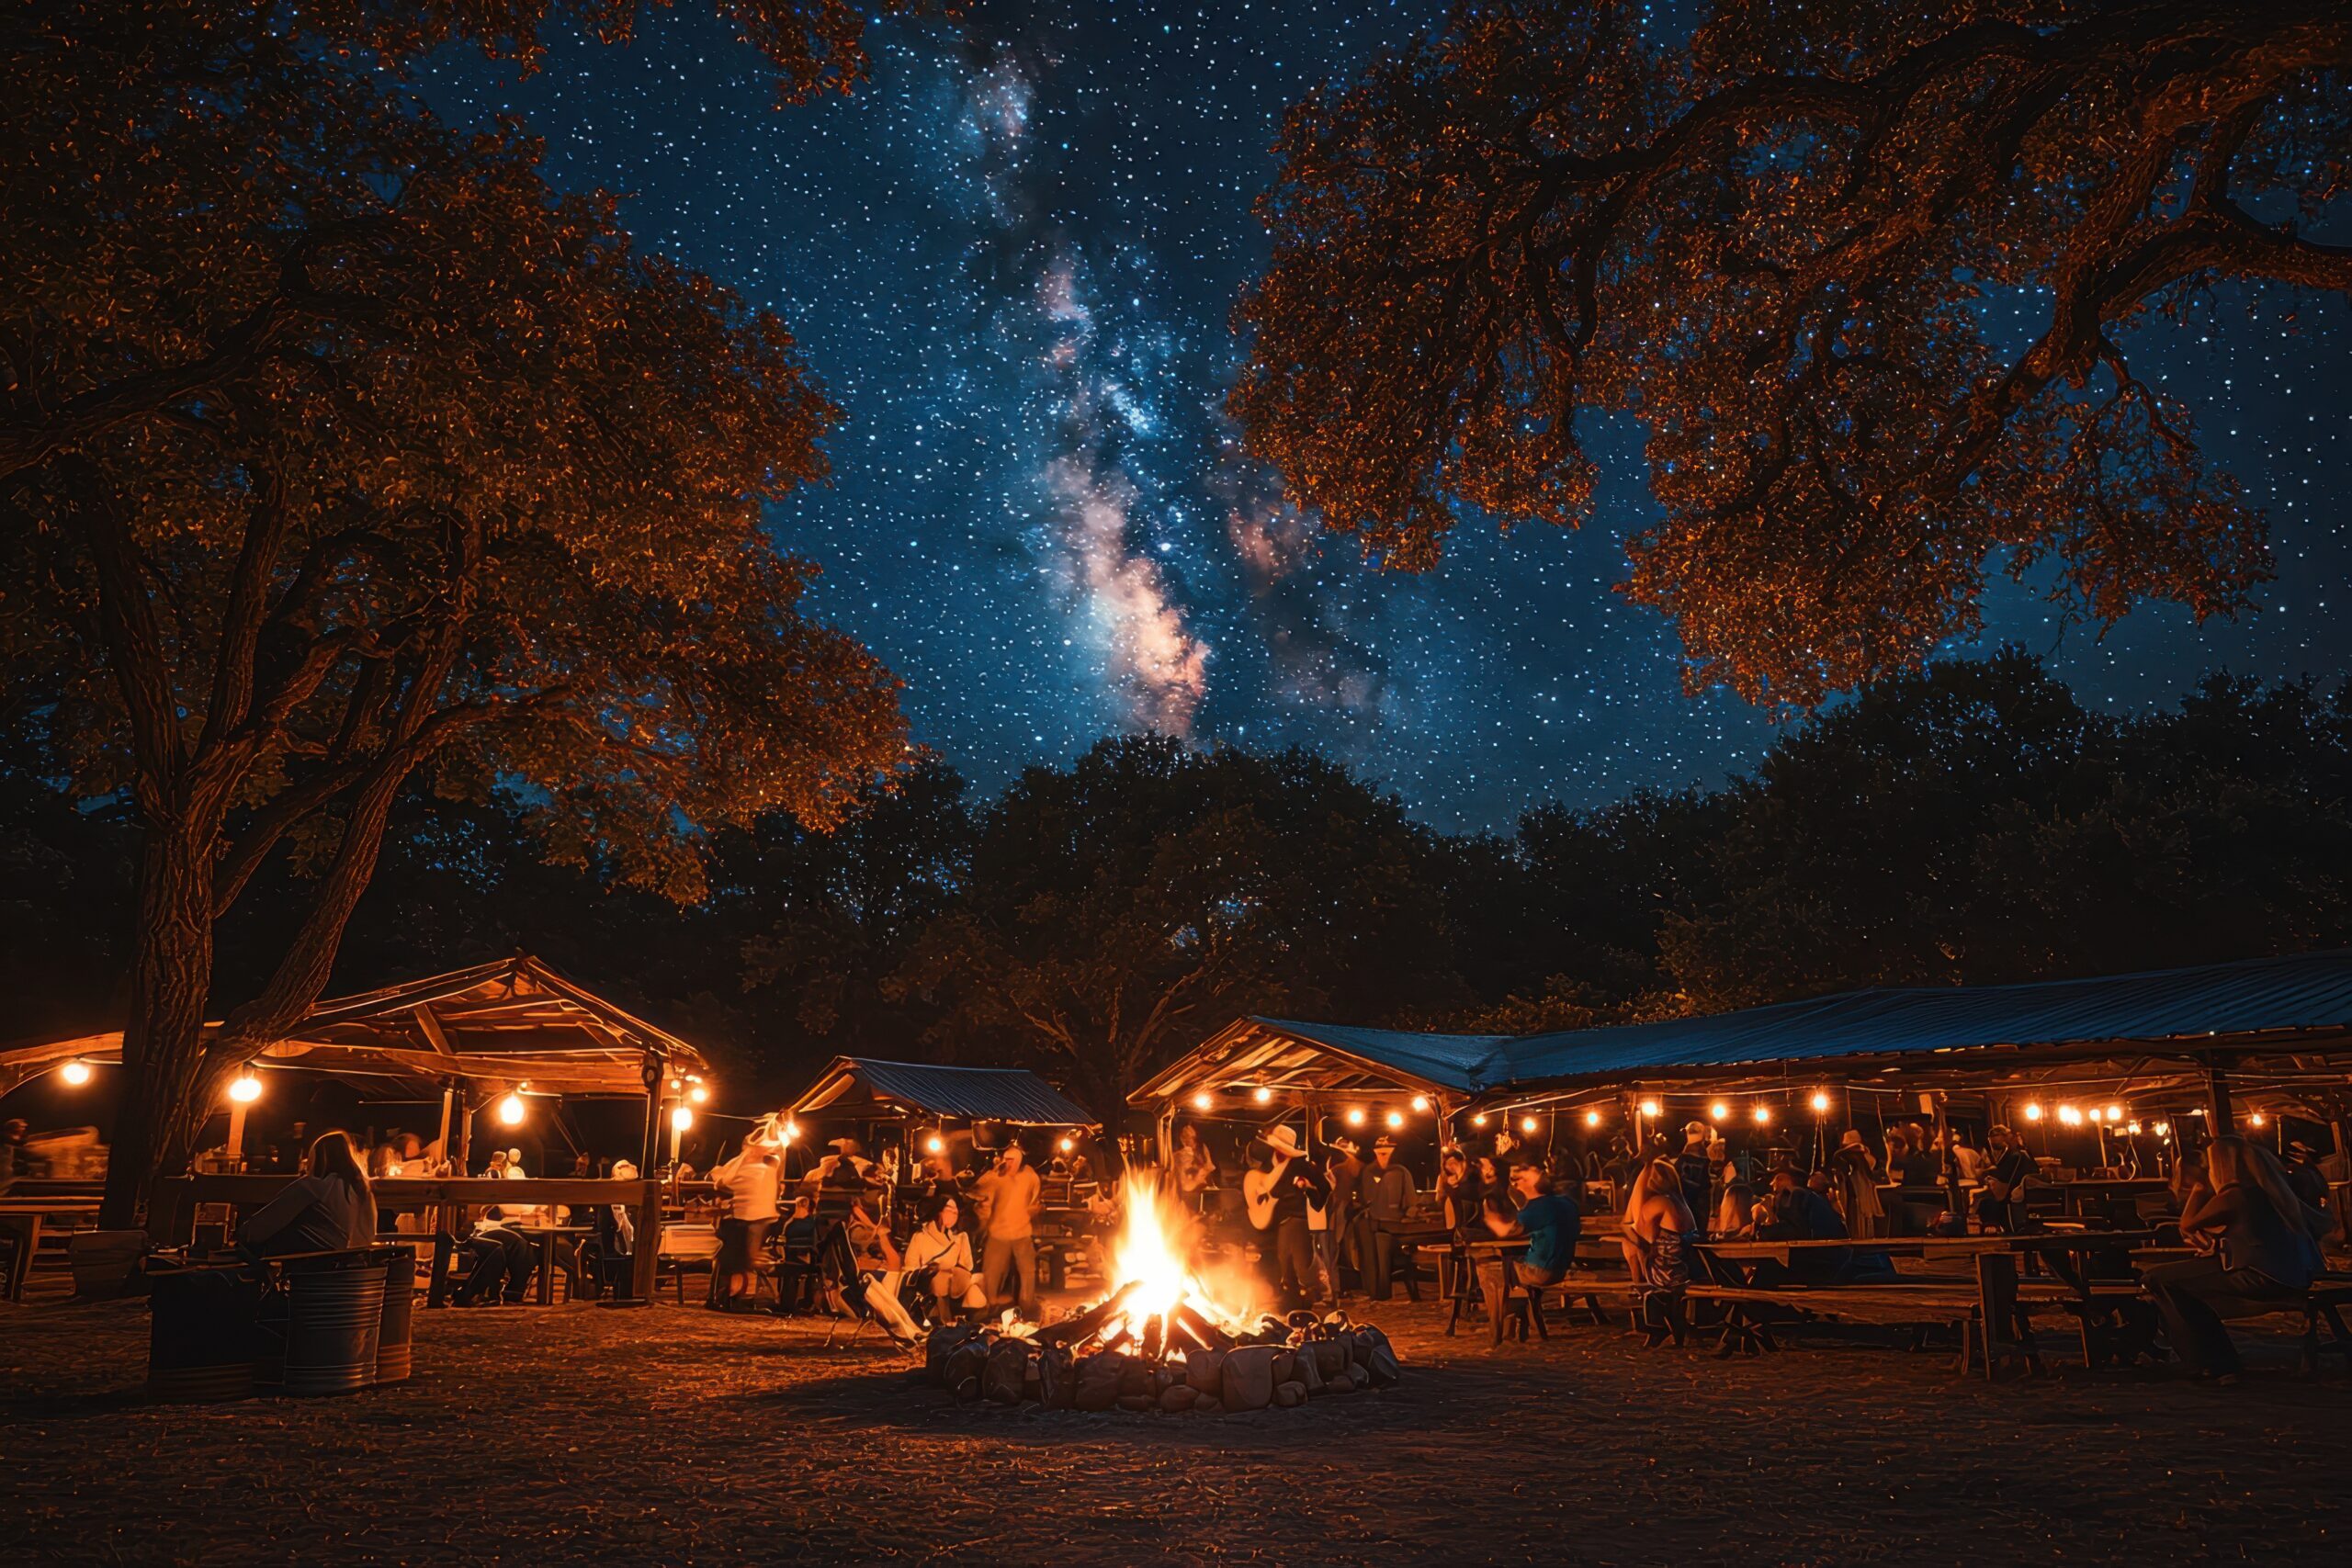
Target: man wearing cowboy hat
1295 1183
1385 1191
1344 1171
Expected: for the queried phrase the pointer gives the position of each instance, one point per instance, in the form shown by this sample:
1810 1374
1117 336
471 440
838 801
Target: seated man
501 1256
1799 1213
1551 1223
607 1254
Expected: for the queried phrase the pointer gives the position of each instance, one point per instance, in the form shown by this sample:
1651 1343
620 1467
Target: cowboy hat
1383 1142
1283 1141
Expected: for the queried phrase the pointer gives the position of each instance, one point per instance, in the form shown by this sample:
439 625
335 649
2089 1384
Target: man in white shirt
749 1181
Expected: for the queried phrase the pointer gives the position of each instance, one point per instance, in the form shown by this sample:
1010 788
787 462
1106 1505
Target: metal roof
981 1094
2306 991
1448 1061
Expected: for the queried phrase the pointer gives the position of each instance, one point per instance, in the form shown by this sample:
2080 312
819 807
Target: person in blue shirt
1551 1222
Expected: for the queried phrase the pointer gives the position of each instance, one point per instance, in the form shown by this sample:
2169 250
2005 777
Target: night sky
1011 259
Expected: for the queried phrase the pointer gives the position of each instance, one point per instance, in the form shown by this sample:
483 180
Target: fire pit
1160 1341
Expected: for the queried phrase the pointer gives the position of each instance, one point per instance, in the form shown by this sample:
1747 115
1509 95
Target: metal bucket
393 1345
201 1333
333 1318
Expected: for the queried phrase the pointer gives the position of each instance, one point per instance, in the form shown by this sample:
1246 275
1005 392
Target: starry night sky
1011 259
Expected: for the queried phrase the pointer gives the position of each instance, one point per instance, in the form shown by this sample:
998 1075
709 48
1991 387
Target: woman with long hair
2262 1247
329 1208
939 1261
1658 1228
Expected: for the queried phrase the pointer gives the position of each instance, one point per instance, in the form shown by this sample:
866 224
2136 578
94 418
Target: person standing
1344 1171
2001 1206
749 1181
1857 1170
1385 1190
1296 1185
1008 1197
1694 1169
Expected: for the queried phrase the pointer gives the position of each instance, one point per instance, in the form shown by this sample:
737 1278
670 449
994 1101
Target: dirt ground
672 1434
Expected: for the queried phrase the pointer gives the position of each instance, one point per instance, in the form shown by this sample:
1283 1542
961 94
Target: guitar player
1277 1197
2001 1206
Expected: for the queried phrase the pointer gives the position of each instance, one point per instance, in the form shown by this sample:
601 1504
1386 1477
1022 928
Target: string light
510 1111
2115 1113
1355 1115
681 1118
2070 1116
1592 1118
1479 1119
1261 1094
1763 1115
76 1072
1201 1101
1821 1102
1420 1104
1718 1111
699 1094
1650 1108
1068 1145
1396 1118
2259 1120
935 1145
2033 1110
1528 1125
245 1091
2093 1115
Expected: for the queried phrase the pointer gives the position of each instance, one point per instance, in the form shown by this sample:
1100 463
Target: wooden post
449 1111
237 1135
1950 1162
2219 1120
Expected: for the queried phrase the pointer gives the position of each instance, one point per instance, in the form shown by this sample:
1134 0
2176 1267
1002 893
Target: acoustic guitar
1258 1192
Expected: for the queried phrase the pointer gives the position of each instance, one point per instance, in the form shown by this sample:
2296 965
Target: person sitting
1908 1165
879 1269
1551 1223
607 1254
330 1208
501 1256
939 1261
2262 1243
2001 1205
1736 1216
1796 1213
1659 1227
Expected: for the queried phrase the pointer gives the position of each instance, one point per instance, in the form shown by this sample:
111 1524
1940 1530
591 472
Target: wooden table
546 1237
21 1219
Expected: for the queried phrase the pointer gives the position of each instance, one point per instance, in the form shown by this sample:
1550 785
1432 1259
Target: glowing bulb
677 1083
2093 1115
1592 1118
76 1072
1479 1119
791 1131
2259 1120
1261 1094
1820 1103
2133 1128
1527 1124
1650 1108
510 1111
1355 1115
1201 1101
2164 1129
1763 1115
698 1094
2070 1116
681 1117
2033 1110
1420 1104
1395 1120
245 1091
1718 1111
1068 1145
935 1145
2115 1113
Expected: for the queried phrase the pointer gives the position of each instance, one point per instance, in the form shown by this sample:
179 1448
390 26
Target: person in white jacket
749 1181
939 1258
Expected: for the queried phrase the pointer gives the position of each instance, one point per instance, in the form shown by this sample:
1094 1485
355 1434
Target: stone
966 1363
1248 1378
1204 1370
1360 1378
1178 1397
1136 1381
1057 1377
1331 1358
1205 1406
1005 1376
1310 1372
1383 1368
1137 1402
942 1344
1098 1379
1360 1346
1285 1366
1290 1394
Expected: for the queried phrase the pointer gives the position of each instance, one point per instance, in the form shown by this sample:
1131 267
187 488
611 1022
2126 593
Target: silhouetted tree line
1972 822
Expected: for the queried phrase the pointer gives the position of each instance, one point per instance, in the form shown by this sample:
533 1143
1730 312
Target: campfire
1159 1340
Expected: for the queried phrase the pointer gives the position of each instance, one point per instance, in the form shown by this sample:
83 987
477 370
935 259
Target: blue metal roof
986 1094
1450 1061
2306 991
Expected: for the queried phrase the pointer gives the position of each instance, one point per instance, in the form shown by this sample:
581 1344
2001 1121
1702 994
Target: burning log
1086 1324
1188 1317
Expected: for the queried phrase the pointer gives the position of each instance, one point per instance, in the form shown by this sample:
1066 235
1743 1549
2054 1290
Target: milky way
1010 258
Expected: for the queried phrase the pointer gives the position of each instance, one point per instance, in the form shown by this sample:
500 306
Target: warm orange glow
1650 1108
1479 1119
1355 1115
510 1111
1718 1111
1395 1120
1763 1115
1420 1104
1068 1145
2259 1120
681 1116
1527 1124
245 1091
2070 1116
1152 1249
1261 1094
1201 1101
76 1072
1592 1118
699 1094
935 1145
2032 1111
2115 1113
1820 1102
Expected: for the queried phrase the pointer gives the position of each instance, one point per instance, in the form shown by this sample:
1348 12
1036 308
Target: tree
337 450
1783 247
1117 913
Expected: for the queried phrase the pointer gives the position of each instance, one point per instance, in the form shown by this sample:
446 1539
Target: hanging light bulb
681 1116
1763 1115
1479 1119
246 1089
1650 1108
699 1093
1201 1101
1592 1118
1821 1102
1528 1125
510 1110
1068 1143
2093 1115
2070 1116
2259 1120
1261 1094
1395 1120
935 1145
1718 1111
76 1072
2033 1110
1355 1115
2115 1113
1421 1105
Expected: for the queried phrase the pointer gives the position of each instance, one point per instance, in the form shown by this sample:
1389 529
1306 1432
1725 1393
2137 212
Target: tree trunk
163 1037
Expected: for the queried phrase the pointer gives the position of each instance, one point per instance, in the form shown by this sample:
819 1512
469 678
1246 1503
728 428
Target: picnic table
21 1219
546 1236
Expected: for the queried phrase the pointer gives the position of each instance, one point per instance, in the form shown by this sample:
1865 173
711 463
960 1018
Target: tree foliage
336 448
1788 246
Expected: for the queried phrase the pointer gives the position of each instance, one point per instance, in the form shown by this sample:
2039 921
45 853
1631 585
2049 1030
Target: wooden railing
172 1217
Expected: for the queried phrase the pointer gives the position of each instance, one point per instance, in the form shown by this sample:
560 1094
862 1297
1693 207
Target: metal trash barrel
200 1339
394 1345
335 1311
